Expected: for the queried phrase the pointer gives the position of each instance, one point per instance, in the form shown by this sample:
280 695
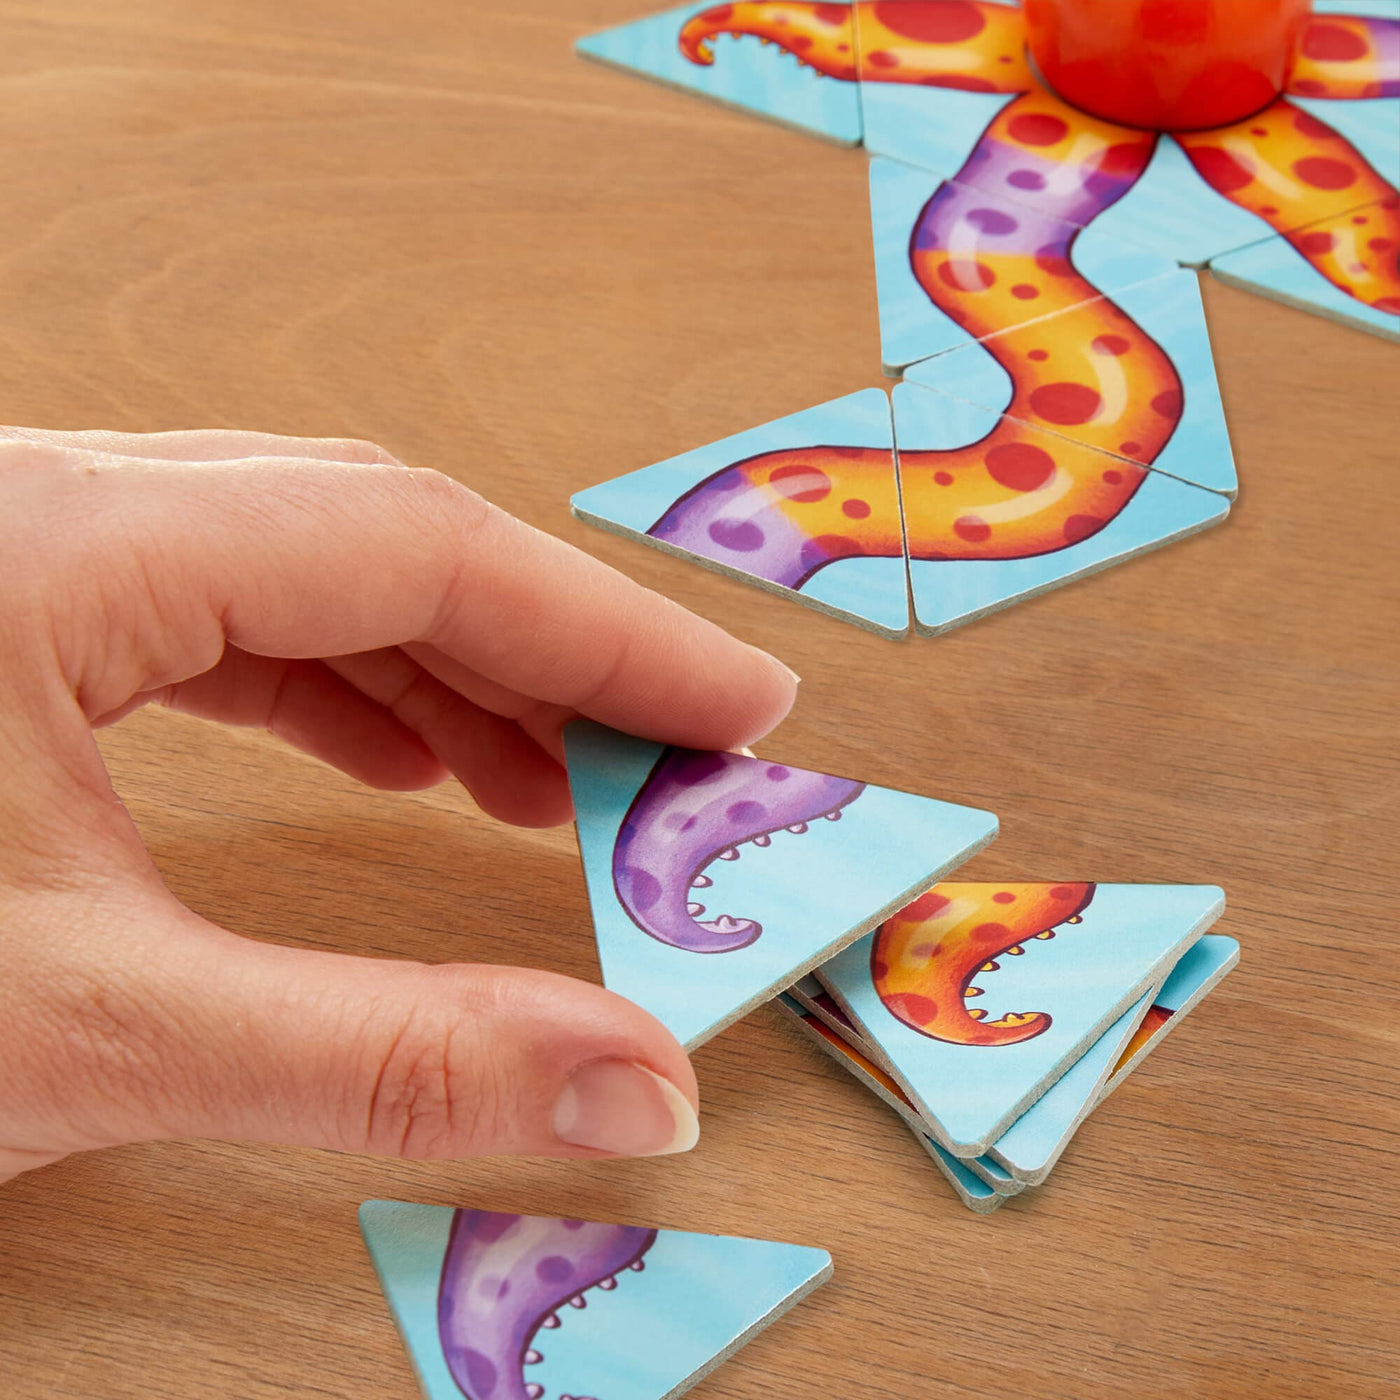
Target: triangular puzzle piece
996 511
495 1306
806 506
910 989
1132 376
933 76
1027 1151
698 936
971 1189
1197 974
791 62
956 263
1344 268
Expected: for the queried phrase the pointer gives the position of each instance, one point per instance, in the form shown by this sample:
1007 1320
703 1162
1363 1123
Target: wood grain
429 224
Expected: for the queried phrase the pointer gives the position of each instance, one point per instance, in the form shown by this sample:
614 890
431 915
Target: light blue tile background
1169 309
1203 962
745 74
933 128
873 589
1277 270
1085 979
951 591
812 893
911 326
1037 1136
965 1182
697 1295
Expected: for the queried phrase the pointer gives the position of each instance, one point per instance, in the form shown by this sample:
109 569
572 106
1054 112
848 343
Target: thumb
229 1038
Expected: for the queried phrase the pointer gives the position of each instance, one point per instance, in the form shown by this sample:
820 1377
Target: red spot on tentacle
1315 244
1023 291
1080 527
1003 897
856 509
912 1008
881 59
926 906
972 528
836 15
1220 170
1037 354
809 484
1065 403
1168 403
950 22
1111 344
943 478
964 82
1020 466
1330 43
966 275
1037 129
1325 172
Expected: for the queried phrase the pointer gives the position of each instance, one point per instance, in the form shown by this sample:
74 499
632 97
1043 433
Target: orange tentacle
1358 251
925 958
1284 166
1347 56
818 35
969 44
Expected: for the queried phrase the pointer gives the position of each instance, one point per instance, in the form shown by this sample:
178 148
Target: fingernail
768 656
615 1106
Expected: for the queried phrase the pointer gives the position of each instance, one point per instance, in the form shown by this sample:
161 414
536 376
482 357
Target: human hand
392 623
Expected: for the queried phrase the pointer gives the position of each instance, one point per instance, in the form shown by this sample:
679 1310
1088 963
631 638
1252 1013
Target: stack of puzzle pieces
992 1016
1058 411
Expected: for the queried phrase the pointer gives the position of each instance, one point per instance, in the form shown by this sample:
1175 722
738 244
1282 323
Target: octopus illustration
924 959
1021 491
506 1278
695 808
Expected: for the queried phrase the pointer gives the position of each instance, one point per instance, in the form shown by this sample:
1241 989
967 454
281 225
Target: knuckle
362 452
430 1096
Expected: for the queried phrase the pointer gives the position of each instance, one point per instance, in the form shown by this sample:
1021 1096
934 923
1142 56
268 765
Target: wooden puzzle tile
495 1306
661 831
1344 268
789 61
910 989
1027 1151
972 1188
1195 976
955 263
933 76
974 1193
996 511
806 507
1132 376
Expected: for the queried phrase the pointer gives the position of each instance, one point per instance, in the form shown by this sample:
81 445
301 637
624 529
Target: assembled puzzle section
717 879
996 511
806 506
1133 376
910 989
793 63
955 262
497 1306
1346 268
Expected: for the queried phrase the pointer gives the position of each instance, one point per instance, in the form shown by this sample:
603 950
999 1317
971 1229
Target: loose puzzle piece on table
806 506
956 263
1346 268
1133 376
996 511
972 1074
495 1306
1194 977
698 936
1027 1151
700 48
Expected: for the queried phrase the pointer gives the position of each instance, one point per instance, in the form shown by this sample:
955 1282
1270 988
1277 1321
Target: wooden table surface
431 225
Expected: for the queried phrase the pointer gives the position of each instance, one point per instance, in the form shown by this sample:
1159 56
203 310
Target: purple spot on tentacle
545 1264
741 536
698 807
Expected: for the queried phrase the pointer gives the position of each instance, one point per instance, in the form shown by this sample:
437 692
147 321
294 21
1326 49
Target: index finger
297 558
